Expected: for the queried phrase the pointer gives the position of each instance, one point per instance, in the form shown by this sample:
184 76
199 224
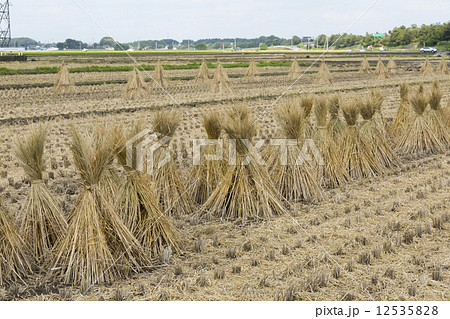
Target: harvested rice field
369 222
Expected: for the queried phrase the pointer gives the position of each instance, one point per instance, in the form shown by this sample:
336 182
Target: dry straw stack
426 69
323 75
357 158
137 204
42 221
251 74
221 83
372 137
202 76
380 71
419 137
333 173
159 78
209 173
306 103
442 67
437 117
294 176
246 191
376 99
392 66
294 71
172 193
403 112
365 67
98 247
136 87
63 82
335 126
15 263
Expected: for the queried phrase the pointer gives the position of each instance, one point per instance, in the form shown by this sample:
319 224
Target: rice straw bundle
208 174
172 194
357 158
365 67
381 71
246 192
221 83
419 138
63 82
376 100
403 112
333 173
335 126
307 103
251 73
442 67
42 220
15 263
98 247
323 75
426 69
137 204
372 137
294 71
392 66
159 76
136 87
202 76
295 181
437 117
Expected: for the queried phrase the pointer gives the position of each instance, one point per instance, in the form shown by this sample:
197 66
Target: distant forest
432 35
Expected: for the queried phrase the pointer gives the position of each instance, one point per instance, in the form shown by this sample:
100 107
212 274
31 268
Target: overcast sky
129 20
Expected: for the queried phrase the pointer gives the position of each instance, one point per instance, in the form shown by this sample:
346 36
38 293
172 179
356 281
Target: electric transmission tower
5 25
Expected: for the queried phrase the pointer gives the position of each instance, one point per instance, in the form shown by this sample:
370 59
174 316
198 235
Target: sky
130 20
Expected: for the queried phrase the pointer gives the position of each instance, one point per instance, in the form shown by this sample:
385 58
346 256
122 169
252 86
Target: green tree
200 46
296 40
263 46
107 41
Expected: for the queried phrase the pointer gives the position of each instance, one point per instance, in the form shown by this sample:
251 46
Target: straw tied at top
149 150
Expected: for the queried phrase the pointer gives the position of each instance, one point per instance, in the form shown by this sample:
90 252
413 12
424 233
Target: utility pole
156 45
5 25
189 43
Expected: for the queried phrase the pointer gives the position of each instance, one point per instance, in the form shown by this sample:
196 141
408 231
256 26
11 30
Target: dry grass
251 74
171 190
246 192
419 137
15 264
296 181
403 112
208 173
136 87
437 117
375 140
202 76
442 68
323 75
42 221
333 173
380 71
426 69
137 204
221 82
335 125
159 76
365 67
98 247
357 158
392 66
63 81
294 71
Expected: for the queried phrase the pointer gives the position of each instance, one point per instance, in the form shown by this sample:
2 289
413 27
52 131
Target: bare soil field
381 238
